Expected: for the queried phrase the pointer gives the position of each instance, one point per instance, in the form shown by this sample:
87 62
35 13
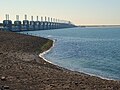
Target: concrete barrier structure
46 24
7 24
37 24
25 25
17 24
32 24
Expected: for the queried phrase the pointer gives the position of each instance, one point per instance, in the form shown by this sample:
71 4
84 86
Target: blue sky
78 11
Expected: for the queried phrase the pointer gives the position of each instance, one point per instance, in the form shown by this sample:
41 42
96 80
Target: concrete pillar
7 24
37 24
41 24
25 24
32 24
17 24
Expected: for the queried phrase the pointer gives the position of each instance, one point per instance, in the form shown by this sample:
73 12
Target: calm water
90 50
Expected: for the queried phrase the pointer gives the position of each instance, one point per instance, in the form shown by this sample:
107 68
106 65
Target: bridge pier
25 24
7 24
32 24
17 24
37 24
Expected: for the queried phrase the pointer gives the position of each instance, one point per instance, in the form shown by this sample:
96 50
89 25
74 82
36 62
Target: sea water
94 51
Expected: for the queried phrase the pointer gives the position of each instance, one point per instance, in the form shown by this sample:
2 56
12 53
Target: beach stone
1 53
6 87
2 88
20 68
76 83
3 78
44 63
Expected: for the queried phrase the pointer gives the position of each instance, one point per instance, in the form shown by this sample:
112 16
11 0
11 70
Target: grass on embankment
47 46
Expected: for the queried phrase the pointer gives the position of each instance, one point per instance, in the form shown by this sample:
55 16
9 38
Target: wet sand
21 68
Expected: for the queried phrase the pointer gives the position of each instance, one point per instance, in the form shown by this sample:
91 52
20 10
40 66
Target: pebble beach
21 68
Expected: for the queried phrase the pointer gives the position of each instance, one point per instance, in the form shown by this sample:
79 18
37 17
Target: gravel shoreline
21 68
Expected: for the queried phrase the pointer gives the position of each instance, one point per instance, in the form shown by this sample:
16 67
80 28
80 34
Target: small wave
45 52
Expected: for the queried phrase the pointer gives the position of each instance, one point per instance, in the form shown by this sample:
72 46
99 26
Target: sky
80 12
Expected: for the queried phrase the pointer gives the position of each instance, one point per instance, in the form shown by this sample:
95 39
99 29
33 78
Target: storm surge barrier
45 23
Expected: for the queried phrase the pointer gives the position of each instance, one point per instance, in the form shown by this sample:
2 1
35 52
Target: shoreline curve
41 55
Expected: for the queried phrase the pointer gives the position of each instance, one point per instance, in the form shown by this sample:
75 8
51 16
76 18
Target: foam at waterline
45 52
94 75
